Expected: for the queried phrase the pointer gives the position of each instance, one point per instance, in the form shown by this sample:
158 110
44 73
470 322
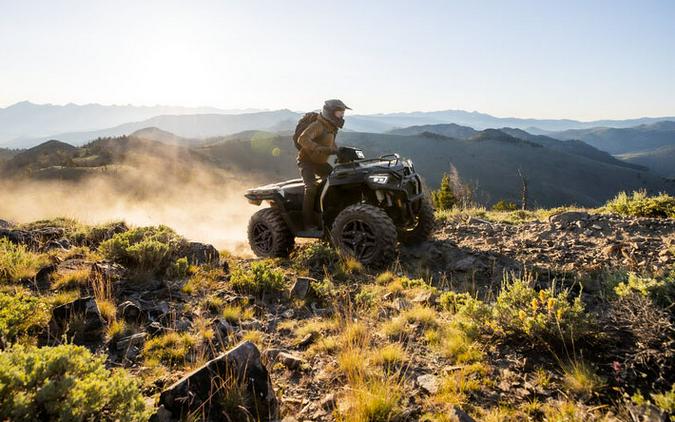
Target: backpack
305 121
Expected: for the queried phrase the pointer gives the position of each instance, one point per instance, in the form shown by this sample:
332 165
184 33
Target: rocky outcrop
79 321
200 253
237 376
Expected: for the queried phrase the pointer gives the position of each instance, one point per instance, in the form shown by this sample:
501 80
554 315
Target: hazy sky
562 59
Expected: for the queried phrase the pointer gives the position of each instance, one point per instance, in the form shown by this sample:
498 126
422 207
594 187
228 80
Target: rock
301 287
183 324
459 415
155 329
161 415
428 383
131 311
200 253
289 361
307 340
202 390
133 340
43 276
131 346
464 264
426 296
4 224
108 271
568 217
157 311
80 321
63 244
223 328
270 354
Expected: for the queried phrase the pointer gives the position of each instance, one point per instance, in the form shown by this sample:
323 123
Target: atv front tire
423 227
367 233
269 235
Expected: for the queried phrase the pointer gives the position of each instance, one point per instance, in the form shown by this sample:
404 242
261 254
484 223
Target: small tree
444 198
524 193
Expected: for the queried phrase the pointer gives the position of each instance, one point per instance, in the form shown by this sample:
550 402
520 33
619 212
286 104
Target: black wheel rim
262 238
359 239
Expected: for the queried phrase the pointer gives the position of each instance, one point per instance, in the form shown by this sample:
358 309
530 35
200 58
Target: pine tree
444 198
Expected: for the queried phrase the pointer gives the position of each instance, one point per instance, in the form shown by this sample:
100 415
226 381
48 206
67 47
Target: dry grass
235 314
374 399
389 356
254 336
71 279
17 262
580 378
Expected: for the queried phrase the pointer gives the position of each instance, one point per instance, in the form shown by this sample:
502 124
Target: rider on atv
315 139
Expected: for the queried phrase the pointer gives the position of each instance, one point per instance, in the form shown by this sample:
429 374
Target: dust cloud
199 201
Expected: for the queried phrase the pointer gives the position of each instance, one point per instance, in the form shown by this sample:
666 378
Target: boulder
130 347
43 276
131 312
568 218
200 253
464 264
289 360
301 287
80 321
203 390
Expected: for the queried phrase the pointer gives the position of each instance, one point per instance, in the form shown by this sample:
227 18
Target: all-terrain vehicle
365 207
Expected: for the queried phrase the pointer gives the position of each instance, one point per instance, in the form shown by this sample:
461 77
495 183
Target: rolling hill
624 140
571 146
661 160
555 177
488 159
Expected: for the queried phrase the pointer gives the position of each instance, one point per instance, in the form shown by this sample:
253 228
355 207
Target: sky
546 59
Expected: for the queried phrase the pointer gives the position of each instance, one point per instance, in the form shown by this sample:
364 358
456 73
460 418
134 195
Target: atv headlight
379 178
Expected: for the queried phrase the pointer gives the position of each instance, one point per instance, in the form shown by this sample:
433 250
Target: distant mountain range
23 123
26 124
620 141
558 172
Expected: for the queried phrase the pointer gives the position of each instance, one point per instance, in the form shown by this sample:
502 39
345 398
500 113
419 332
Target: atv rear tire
269 235
367 233
424 225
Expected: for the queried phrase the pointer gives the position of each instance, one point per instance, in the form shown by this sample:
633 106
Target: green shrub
65 383
145 249
316 255
17 262
503 205
179 269
544 315
20 314
261 277
664 401
660 290
639 204
471 314
170 349
324 289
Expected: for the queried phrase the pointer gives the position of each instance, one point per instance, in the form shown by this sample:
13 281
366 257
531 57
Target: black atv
365 205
